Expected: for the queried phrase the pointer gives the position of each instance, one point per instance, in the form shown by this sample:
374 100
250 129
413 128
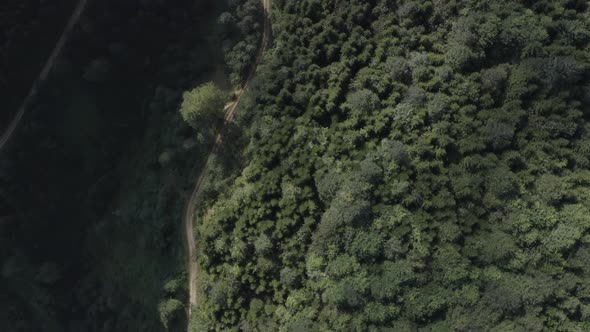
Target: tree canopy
202 105
411 166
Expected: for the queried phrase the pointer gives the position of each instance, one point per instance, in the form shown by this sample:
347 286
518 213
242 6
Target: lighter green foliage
202 105
169 311
263 245
562 237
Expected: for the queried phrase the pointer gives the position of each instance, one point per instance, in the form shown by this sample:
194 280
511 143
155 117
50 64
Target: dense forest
395 165
93 184
409 166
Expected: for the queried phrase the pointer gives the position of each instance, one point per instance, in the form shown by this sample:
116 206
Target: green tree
203 105
170 311
262 244
363 101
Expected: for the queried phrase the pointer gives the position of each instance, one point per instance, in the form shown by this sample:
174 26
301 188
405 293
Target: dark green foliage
362 101
243 31
327 185
413 166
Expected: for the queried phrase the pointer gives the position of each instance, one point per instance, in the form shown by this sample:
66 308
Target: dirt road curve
9 132
229 116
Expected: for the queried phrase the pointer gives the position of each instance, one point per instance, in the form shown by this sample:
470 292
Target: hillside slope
93 182
29 30
411 166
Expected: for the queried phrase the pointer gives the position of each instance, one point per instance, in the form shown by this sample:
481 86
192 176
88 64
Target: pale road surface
9 132
230 110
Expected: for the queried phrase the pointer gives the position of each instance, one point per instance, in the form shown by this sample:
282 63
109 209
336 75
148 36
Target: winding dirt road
9 132
230 110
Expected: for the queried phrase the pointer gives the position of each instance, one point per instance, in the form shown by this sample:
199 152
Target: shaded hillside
29 30
94 183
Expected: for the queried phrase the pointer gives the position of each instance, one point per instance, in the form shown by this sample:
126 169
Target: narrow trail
230 110
10 130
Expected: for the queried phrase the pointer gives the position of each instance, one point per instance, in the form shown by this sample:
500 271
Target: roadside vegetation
203 105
